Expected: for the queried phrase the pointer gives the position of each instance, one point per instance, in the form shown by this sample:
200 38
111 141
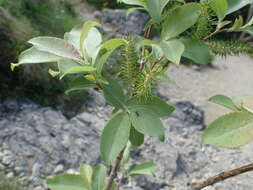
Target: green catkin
146 81
225 48
129 63
204 25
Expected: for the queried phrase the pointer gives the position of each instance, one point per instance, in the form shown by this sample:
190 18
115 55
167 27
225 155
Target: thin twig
217 31
114 171
222 176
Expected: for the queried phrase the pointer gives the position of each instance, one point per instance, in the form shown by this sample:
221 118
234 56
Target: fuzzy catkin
225 48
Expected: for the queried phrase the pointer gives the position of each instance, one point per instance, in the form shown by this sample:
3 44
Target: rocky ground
37 142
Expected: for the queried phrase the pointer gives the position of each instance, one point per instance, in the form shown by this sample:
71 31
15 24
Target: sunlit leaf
86 173
85 32
74 36
230 131
66 182
32 55
224 101
92 43
56 46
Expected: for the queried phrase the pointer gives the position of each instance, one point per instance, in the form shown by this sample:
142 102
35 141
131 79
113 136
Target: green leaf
106 50
235 5
147 122
197 51
80 69
147 168
92 43
180 20
67 66
115 137
33 55
66 182
98 177
224 101
114 94
56 46
85 32
79 83
155 104
74 36
173 50
136 138
86 173
230 131
220 7
135 2
155 8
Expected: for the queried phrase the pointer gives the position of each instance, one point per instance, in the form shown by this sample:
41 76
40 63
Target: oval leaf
85 32
155 8
224 101
98 177
173 50
234 5
105 51
220 7
86 173
79 83
147 168
197 51
180 20
80 69
230 131
114 94
92 43
114 137
155 104
74 36
56 46
147 122
66 182
136 138
33 55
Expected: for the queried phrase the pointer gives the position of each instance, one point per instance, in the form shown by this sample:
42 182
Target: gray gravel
37 142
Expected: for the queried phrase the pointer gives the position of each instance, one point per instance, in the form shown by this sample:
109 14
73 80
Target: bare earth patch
231 76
